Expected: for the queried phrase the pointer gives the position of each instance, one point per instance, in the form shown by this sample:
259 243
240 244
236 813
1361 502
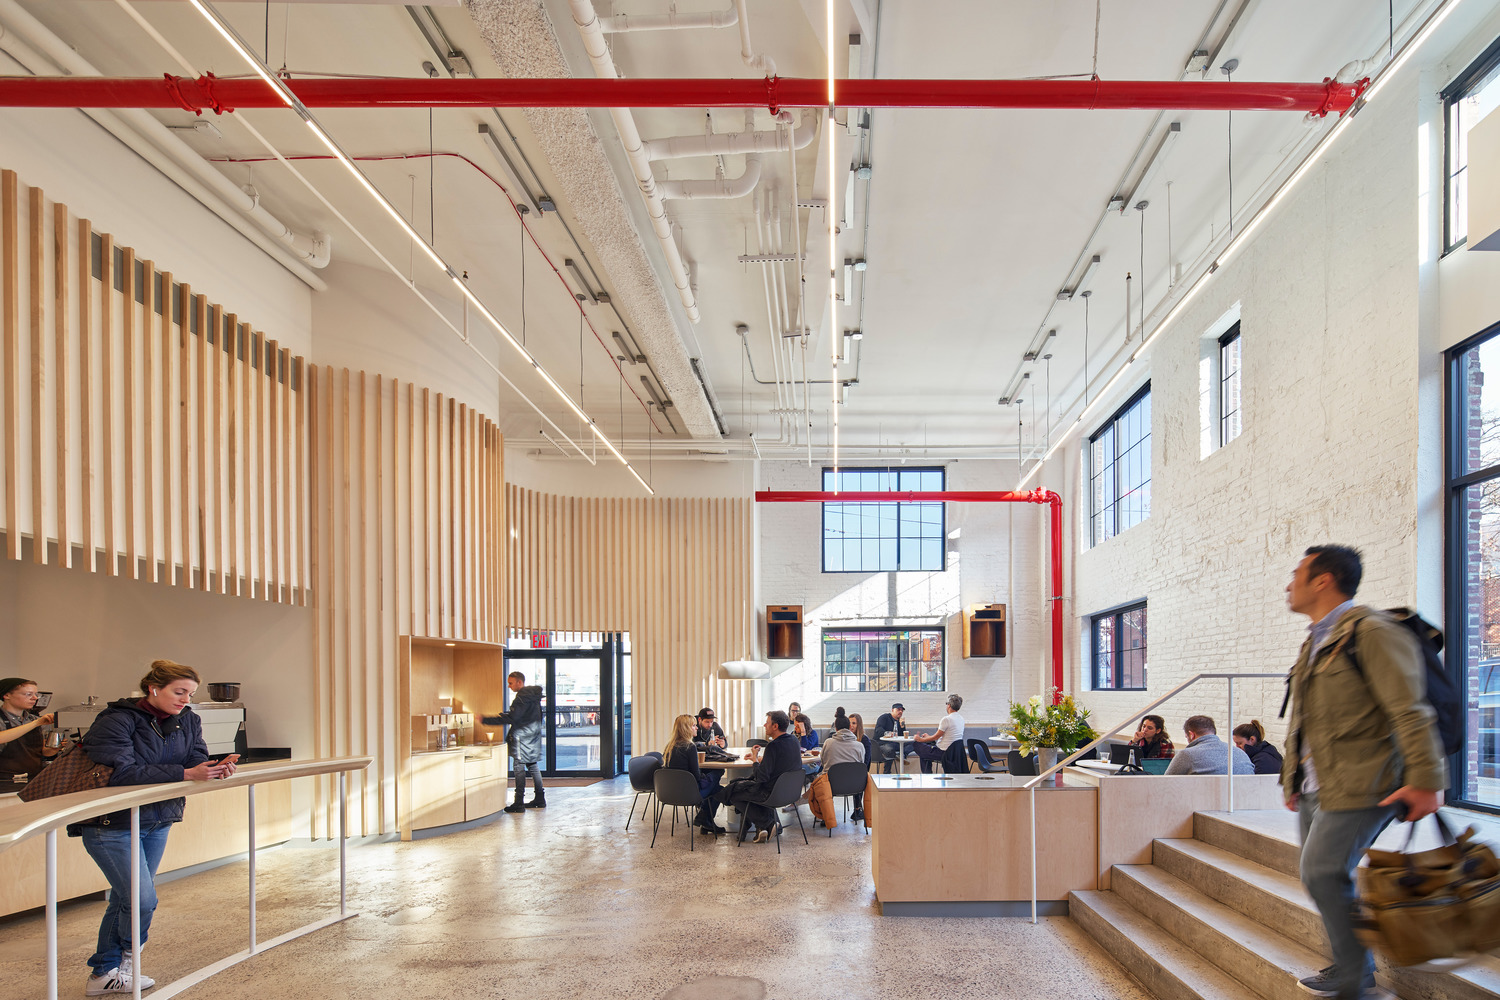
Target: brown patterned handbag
70 771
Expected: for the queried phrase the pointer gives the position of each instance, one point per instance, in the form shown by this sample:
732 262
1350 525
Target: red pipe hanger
1048 497
211 93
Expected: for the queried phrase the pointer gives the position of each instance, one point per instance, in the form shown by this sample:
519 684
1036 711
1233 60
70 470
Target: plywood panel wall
674 573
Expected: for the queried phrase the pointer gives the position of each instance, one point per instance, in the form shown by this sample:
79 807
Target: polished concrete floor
564 903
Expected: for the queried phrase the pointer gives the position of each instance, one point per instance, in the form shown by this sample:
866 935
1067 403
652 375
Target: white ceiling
974 219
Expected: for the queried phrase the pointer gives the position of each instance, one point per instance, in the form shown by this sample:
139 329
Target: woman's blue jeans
110 849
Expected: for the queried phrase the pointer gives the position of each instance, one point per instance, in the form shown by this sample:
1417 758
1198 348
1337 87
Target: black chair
979 751
678 789
845 781
1022 767
757 743
641 770
786 792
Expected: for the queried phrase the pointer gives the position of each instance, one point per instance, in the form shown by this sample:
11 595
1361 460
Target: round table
900 750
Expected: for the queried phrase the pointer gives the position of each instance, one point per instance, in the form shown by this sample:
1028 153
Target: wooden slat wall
148 411
674 573
396 495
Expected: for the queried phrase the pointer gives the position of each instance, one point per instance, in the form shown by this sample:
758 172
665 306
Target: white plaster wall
669 477
790 572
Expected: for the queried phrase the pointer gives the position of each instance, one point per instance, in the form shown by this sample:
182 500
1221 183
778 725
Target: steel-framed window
862 659
1472 649
1231 419
1120 469
884 537
1471 96
1118 642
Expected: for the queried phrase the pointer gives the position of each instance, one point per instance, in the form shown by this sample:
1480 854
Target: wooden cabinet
437 789
784 631
484 783
984 630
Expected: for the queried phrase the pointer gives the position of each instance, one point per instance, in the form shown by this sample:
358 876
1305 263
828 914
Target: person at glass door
707 731
20 736
524 741
889 724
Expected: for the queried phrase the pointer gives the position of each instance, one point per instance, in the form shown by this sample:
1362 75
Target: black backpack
1442 694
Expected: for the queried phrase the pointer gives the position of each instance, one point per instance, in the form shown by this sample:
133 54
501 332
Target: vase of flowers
1048 730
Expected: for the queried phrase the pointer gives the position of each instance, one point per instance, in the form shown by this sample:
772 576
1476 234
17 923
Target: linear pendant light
1408 49
235 42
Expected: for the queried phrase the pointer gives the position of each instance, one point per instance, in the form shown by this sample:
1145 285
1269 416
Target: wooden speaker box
784 631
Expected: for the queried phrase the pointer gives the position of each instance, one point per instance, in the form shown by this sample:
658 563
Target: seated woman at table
682 753
807 738
857 727
1251 738
1151 739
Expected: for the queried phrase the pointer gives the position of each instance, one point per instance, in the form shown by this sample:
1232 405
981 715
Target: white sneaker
127 970
114 981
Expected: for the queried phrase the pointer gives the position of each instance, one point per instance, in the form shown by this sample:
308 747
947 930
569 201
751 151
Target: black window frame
1225 339
896 505
1114 423
1118 613
891 631
1456 481
1462 85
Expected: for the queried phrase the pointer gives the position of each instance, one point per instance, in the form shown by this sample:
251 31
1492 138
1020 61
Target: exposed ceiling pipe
630 137
722 187
669 21
37 49
311 251
764 63
728 143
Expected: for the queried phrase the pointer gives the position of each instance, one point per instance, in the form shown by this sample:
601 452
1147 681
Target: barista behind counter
20 735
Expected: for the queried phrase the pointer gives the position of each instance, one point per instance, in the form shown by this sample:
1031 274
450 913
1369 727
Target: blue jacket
143 751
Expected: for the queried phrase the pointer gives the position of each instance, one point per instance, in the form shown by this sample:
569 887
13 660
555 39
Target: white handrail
1031 785
45 816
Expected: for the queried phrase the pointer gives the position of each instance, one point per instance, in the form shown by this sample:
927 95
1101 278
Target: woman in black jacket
147 741
1251 738
682 753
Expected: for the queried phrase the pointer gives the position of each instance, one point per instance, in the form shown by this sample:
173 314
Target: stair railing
1031 786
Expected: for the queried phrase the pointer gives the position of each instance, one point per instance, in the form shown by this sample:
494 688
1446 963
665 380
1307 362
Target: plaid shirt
1162 749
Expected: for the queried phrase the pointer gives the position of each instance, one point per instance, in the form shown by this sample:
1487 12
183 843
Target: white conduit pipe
764 63
630 137
669 21
723 187
728 143
773 326
153 141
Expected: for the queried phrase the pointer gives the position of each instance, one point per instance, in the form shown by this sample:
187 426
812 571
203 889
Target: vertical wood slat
232 487
221 553
200 420
38 374
184 306
264 412
86 390
61 267
148 401
10 286
106 398
128 369
164 302
303 494
244 336
284 366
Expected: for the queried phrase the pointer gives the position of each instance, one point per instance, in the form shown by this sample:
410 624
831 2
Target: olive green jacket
1371 731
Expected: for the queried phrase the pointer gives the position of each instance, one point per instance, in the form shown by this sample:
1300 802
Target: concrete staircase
1224 917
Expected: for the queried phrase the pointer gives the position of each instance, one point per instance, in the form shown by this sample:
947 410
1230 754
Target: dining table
737 769
900 742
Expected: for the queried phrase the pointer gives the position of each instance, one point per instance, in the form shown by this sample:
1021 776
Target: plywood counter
962 847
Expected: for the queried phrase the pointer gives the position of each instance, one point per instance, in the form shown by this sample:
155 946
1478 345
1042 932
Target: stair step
1166 967
1268 837
1273 898
1243 947
1480 981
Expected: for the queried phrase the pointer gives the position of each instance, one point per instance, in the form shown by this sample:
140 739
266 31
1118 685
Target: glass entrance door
581 707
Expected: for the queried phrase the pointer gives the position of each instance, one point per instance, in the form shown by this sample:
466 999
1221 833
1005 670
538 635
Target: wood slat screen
674 573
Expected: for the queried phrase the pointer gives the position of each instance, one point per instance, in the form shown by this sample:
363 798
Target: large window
1466 100
1120 469
883 537
1118 639
882 659
1473 643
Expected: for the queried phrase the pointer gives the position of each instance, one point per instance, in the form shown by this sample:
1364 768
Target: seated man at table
931 746
708 731
779 756
1205 752
889 722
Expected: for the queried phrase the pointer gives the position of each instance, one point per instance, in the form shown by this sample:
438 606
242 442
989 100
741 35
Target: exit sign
541 640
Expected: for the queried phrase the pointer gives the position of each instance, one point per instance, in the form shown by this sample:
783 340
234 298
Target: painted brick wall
978 567
1329 297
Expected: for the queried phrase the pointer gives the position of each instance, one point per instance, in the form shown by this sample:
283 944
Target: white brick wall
791 573
1329 295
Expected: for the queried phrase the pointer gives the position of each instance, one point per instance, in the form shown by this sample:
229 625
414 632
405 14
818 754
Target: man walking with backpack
1362 747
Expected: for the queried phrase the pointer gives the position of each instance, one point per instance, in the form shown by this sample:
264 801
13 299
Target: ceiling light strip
228 33
835 340
1408 49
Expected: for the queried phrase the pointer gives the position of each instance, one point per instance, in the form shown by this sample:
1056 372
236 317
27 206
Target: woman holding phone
148 740
20 741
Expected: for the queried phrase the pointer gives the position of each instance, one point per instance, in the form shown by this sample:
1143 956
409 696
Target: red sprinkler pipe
961 496
211 93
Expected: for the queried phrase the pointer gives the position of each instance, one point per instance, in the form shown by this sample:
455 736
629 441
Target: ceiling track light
520 190
284 93
1083 279
572 265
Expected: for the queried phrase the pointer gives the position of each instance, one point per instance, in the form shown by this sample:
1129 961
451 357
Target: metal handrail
1031 785
46 816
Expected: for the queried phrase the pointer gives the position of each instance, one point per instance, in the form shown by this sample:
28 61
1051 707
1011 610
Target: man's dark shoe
1325 983
540 802
515 807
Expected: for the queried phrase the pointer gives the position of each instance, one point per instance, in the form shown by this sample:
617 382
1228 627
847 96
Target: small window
1119 649
1466 101
1120 469
883 659
884 537
1221 412
1230 421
